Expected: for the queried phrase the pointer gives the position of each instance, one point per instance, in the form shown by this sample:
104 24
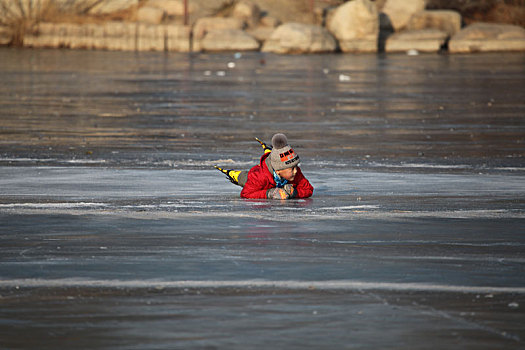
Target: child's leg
237 177
242 178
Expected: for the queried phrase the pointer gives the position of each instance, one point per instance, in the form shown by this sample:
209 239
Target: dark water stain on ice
117 233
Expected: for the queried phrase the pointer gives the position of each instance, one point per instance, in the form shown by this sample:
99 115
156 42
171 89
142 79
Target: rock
119 36
355 25
447 21
178 38
269 21
58 35
5 36
151 15
248 12
33 36
46 35
229 40
208 24
300 38
424 40
150 37
125 36
108 6
479 37
380 4
399 12
261 33
172 7
122 36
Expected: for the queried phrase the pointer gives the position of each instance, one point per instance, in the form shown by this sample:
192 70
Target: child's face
288 174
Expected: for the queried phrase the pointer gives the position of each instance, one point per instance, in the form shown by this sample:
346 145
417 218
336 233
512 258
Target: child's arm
302 185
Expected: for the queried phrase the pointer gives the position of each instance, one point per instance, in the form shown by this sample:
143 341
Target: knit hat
282 156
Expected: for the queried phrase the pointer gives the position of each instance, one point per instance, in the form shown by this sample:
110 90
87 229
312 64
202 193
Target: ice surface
117 233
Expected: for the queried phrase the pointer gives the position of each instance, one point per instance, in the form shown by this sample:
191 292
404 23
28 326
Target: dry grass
507 13
19 15
497 11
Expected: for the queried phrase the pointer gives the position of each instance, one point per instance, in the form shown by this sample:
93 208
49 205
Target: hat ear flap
279 141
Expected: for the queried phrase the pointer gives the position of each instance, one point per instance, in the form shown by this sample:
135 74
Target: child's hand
277 193
290 190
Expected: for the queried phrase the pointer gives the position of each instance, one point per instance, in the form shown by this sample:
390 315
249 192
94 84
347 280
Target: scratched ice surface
116 232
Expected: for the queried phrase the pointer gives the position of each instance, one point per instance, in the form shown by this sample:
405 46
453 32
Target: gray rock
300 38
400 12
229 40
479 37
355 25
424 40
447 21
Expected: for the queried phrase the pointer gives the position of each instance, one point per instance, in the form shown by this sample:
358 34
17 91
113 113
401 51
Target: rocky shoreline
356 26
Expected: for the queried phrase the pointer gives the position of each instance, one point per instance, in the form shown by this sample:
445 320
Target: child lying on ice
277 176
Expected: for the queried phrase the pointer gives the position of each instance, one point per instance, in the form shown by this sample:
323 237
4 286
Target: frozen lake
117 233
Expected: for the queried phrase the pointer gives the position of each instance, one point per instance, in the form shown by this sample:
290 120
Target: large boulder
355 25
151 15
264 30
399 12
447 21
172 7
480 37
248 12
300 38
424 40
229 40
208 24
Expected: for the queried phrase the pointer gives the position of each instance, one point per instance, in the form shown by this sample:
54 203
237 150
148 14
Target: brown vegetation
20 15
496 11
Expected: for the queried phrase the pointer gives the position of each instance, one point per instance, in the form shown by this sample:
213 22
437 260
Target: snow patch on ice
421 165
349 285
82 205
351 207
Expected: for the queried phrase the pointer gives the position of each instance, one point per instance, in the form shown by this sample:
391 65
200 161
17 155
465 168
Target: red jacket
260 179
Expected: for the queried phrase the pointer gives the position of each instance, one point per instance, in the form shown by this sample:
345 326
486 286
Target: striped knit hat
282 156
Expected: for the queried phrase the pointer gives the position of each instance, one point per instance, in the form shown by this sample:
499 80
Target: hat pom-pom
279 141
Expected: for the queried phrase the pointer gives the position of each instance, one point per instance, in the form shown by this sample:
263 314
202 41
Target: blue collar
279 182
